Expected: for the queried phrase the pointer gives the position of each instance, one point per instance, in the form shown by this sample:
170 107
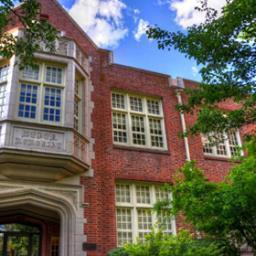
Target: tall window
137 121
41 90
2 99
223 145
78 101
134 211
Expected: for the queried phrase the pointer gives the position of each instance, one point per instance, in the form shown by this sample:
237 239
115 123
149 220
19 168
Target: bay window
137 121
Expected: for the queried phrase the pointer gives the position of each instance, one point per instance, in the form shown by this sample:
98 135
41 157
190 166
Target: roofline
75 23
142 70
191 80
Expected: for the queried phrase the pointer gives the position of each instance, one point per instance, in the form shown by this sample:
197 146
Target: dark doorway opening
20 240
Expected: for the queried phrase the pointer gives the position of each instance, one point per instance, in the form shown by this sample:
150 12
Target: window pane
145 222
52 104
119 127
156 133
118 101
207 147
123 193
138 130
233 143
4 72
136 104
164 221
124 219
161 194
124 237
124 226
31 72
28 101
153 107
78 105
143 194
77 101
54 75
221 147
2 99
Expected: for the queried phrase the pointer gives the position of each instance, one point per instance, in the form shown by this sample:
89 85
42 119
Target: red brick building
85 145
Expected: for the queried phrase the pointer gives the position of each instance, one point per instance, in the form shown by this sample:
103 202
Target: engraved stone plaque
38 139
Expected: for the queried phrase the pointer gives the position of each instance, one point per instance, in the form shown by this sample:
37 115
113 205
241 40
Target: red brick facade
112 162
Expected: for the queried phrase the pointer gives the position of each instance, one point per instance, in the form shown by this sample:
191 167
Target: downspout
184 128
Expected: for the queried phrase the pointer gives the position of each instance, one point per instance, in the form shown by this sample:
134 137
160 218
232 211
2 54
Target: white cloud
163 2
135 14
136 11
195 71
101 19
141 29
186 15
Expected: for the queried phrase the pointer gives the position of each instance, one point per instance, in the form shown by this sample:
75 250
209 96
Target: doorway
19 240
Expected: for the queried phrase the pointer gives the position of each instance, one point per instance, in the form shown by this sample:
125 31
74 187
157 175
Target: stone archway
11 198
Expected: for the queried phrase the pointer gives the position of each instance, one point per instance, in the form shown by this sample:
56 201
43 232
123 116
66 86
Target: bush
118 252
160 244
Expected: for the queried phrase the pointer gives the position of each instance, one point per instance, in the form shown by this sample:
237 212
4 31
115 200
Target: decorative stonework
62 198
38 139
72 195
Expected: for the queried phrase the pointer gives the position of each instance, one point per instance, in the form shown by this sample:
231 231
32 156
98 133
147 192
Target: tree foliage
160 244
223 211
225 47
38 29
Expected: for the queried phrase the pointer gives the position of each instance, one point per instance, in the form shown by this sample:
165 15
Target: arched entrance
29 231
51 218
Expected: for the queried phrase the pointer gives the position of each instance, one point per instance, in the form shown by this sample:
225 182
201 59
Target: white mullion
227 145
161 109
129 121
163 124
63 96
238 137
153 213
42 92
134 213
146 123
163 133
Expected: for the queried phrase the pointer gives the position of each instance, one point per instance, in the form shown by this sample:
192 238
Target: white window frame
42 84
3 101
128 112
79 95
134 207
4 72
225 143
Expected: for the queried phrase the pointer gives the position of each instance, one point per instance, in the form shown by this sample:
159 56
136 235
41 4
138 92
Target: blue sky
119 25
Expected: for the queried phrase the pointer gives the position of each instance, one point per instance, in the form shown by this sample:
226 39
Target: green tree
224 211
225 47
38 29
160 244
